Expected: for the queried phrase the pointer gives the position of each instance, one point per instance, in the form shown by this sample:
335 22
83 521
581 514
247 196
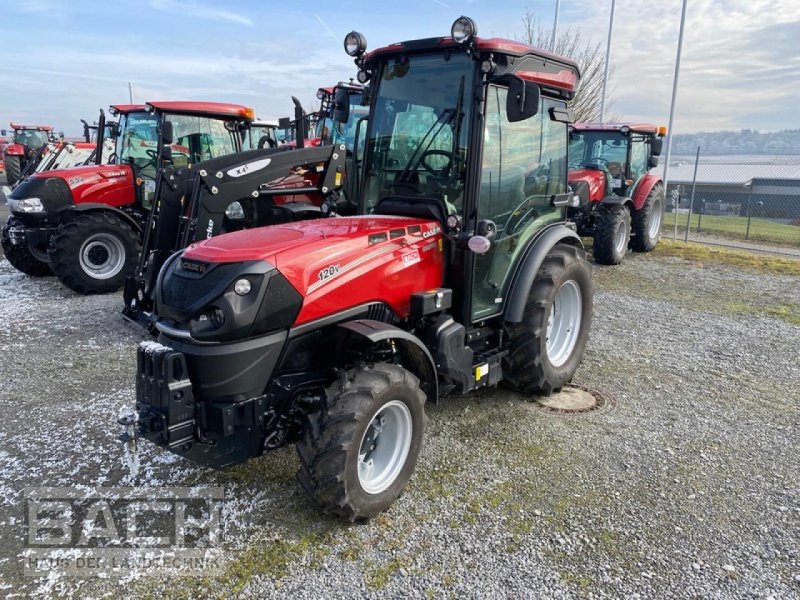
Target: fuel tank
340 262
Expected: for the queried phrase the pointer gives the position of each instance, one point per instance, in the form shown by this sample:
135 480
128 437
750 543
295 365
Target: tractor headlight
26 205
242 287
355 44
463 30
320 94
235 211
362 76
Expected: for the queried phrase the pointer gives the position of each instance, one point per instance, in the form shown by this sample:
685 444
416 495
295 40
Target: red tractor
84 223
621 201
456 270
26 144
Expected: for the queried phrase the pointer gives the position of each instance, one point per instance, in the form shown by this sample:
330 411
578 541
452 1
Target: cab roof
637 127
125 108
545 68
217 109
16 126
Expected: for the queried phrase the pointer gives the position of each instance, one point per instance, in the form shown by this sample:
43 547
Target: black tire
329 451
94 253
611 221
20 257
528 367
13 169
647 221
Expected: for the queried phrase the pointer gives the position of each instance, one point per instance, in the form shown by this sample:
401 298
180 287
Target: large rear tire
20 256
647 221
612 233
13 169
94 253
547 347
359 452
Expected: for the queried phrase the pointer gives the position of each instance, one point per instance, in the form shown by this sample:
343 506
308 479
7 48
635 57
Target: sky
65 59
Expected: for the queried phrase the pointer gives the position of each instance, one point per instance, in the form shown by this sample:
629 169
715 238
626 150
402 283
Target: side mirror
61 135
656 145
166 132
3 132
284 123
652 162
341 105
522 101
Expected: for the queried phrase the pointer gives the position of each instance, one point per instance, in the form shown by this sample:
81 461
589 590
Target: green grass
701 253
761 230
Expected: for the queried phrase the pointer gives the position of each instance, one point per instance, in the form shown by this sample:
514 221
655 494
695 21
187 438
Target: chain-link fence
736 200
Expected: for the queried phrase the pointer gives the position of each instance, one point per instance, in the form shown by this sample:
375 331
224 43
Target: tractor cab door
524 164
637 165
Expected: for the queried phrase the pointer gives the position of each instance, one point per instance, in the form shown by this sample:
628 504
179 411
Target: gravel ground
688 487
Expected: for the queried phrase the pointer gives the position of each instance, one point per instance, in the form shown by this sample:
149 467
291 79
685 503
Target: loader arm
192 204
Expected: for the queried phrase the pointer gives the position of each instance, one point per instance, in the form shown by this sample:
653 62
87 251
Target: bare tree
590 59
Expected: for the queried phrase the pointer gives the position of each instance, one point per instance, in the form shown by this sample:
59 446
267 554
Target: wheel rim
619 238
655 219
564 323
102 256
384 447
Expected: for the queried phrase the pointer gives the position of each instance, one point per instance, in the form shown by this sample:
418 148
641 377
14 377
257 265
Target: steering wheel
436 172
523 213
600 160
151 153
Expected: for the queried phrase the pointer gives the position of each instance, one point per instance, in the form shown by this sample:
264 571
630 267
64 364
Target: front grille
184 291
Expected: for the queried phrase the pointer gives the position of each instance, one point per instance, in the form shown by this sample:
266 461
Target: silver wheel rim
564 323
384 447
619 238
655 219
102 256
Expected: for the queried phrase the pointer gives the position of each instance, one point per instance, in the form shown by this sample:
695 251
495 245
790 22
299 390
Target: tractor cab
25 149
609 171
176 133
260 134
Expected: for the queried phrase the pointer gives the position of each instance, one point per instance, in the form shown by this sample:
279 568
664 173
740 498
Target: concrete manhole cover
576 399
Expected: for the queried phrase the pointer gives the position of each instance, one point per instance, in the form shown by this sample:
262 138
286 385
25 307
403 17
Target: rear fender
616 200
15 150
90 207
418 359
529 267
643 189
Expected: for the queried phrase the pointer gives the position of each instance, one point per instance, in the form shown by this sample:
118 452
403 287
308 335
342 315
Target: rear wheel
94 253
13 169
20 255
547 347
359 452
647 221
612 233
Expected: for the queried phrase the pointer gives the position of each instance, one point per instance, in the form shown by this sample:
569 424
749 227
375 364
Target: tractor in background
24 148
455 269
621 201
84 224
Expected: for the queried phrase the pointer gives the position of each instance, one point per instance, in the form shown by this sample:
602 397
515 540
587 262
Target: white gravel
689 487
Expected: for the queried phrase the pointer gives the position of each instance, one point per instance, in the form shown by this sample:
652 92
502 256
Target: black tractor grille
186 291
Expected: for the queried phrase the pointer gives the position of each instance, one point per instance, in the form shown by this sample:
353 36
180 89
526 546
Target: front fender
643 189
529 266
88 207
419 357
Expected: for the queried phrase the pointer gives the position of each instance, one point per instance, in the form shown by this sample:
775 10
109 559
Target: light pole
555 28
674 93
608 57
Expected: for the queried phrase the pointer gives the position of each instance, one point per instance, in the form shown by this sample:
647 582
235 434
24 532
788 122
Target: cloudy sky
65 59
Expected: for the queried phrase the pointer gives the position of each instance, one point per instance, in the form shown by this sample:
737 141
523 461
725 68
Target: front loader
460 271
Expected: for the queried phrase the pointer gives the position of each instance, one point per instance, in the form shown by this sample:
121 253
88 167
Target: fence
735 200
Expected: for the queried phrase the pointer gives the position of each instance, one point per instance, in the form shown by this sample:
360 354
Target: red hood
103 171
341 262
595 179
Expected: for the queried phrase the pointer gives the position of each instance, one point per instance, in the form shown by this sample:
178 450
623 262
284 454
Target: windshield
30 138
139 133
418 143
608 149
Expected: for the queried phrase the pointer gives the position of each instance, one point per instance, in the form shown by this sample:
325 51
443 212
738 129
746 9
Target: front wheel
612 233
647 221
359 452
547 347
21 257
94 253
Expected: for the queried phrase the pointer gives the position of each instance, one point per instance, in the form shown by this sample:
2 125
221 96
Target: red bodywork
339 263
111 185
220 109
594 178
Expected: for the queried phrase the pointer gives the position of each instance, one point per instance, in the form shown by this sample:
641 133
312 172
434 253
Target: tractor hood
595 179
59 189
323 266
